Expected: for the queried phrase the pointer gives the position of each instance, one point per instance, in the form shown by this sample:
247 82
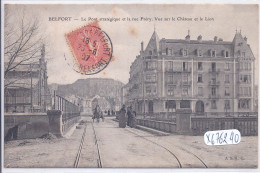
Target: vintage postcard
130 85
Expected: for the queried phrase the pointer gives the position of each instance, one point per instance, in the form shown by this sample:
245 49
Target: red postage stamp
91 47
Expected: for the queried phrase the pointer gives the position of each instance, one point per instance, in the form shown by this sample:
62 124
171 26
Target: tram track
99 162
174 155
76 163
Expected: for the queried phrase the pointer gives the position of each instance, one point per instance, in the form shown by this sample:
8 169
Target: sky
127 36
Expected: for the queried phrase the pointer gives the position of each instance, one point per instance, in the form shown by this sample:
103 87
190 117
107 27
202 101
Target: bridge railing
171 116
70 112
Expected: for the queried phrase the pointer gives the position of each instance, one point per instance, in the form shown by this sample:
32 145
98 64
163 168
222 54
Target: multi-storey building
26 88
212 76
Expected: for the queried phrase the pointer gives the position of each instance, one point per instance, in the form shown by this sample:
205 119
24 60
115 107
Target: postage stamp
91 48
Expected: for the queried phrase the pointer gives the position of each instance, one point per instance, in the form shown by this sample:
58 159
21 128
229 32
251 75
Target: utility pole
143 84
31 88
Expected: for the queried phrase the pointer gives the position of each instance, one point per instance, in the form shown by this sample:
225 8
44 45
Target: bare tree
22 42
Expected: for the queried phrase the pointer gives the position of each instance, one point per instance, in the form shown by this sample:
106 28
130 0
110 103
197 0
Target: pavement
108 146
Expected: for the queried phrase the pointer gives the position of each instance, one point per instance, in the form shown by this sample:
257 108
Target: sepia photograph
129 86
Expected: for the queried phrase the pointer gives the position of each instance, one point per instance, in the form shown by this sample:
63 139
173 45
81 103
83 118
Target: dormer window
225 53
199 52
243 54
212 53
184 52
150 52
154 51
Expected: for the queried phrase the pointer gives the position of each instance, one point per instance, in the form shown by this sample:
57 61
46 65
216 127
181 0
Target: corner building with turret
211 77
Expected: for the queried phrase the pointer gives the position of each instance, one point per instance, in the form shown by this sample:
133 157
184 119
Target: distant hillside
90 87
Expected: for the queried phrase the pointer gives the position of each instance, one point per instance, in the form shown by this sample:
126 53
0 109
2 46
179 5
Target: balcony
151 57
216 71
244 95
186 83
217 96
174 82
150 81
187 70
214 83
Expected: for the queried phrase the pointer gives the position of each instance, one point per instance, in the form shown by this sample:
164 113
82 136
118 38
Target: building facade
207 76
26 88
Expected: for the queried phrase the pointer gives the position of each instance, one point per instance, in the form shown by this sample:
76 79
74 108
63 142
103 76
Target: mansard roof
196 41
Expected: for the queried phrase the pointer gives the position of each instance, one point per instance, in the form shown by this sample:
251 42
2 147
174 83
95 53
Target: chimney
199 38
215 39
142 46
187 38
245 38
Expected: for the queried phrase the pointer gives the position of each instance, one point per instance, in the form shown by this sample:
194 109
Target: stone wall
25 125
34 125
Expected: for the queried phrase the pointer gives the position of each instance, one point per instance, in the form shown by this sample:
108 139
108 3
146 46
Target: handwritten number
236 138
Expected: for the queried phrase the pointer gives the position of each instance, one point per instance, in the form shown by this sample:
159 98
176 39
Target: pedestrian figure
131 117
122 117
96 113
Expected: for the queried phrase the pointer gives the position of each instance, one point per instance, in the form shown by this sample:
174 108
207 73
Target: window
213 66
150 65
227 78
200 66
243 54
170 65
227 66
213 104
148 89
245 78
241 65
227 104
227 91
239 53
241 91
213 80
249 66
185 52
170 105
247 91
150 52
167 51
199 78
213 53
170 90
227 54
199 52
184 66
200 91
246 65
185 91
244 104
170 51
170 79
150 77
184 77
185 104
213 91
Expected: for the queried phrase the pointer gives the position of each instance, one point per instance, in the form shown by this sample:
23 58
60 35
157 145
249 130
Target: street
107 146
